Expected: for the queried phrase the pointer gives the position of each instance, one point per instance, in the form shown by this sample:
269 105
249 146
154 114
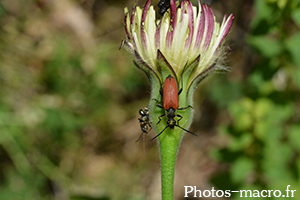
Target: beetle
170 95
144 121
163 5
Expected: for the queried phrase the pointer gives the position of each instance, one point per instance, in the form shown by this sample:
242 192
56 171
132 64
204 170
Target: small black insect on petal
163 6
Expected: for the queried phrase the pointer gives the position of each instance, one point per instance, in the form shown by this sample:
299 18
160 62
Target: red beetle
170 105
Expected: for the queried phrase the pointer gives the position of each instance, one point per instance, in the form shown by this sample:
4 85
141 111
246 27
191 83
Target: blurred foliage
69 105
63 84
263 131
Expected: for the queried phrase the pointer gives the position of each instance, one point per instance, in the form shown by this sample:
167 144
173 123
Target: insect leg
160 118
185 107
179 119
158 104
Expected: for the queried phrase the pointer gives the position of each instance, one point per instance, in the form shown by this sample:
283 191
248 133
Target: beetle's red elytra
170 93
171 105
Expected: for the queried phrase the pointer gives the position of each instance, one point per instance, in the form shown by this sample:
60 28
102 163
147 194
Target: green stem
169 140
168 154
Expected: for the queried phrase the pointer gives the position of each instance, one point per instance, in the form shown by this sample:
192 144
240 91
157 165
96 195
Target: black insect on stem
144 124
144 121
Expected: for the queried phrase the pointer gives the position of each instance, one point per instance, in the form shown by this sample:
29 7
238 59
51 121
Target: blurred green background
69 103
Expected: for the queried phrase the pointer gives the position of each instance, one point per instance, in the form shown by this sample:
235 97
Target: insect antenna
186 130
159 133
139 137
144 146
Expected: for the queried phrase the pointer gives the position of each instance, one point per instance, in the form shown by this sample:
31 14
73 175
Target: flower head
184 40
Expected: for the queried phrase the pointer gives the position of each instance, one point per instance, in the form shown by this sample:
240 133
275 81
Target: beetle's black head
171 112
144 111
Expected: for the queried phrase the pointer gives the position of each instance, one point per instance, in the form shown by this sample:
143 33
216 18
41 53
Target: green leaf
263 9
262 107
279 114
224 92
276 154
267 131
241 143
262 21
242 113
294 136
296 16
292 45
266 46
281 4
241 169
297 77
215 154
